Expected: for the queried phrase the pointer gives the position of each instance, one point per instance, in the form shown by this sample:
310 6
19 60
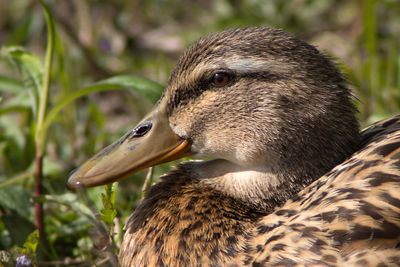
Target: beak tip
74 185
72 182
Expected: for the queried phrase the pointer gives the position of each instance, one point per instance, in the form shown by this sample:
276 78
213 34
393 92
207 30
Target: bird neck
262 189
186 219
200 209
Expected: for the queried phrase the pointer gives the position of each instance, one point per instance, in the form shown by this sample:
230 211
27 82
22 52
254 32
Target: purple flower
23 261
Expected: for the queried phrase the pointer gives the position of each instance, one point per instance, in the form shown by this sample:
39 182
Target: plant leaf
10 85
11 130
149 89
30 69
18 178
71 200
18 227
40 134
31 243
16 198
20 101
145 87
108 212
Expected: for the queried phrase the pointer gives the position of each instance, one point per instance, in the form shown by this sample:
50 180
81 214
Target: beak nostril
142 129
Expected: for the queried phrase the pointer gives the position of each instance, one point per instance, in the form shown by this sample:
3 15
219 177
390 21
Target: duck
282 174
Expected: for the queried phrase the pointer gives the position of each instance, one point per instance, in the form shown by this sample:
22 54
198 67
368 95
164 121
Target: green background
116 43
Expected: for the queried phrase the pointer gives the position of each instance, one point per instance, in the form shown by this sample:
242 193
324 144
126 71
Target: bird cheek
214 145
178 126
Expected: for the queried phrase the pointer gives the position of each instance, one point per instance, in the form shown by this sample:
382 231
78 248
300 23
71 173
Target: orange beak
150 143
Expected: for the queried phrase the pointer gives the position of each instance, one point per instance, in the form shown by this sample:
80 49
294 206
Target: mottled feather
284 118
349 216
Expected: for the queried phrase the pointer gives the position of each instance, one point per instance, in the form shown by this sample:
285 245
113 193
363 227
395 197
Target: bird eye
220 78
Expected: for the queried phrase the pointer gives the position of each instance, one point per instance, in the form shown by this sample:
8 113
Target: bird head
256 97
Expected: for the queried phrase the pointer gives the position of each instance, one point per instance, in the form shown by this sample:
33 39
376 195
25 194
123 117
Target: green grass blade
19 102
10 85
70 200
149 89
30 69
145 87
40 132
15 179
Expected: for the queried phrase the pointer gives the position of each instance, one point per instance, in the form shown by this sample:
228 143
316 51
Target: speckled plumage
279 117
346 216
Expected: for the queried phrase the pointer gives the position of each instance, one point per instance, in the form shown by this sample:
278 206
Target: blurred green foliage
105 45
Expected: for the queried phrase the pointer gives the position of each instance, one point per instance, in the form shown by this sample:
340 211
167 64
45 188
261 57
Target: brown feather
285 118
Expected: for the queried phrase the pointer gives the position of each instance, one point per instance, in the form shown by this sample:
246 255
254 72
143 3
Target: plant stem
147 181
40 134
38 191
40 130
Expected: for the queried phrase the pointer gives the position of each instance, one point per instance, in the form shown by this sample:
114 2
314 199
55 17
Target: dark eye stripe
208 81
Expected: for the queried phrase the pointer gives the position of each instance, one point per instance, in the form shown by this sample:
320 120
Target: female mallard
276 115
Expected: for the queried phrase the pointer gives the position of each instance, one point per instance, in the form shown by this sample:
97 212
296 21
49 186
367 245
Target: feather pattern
350 216
293 181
